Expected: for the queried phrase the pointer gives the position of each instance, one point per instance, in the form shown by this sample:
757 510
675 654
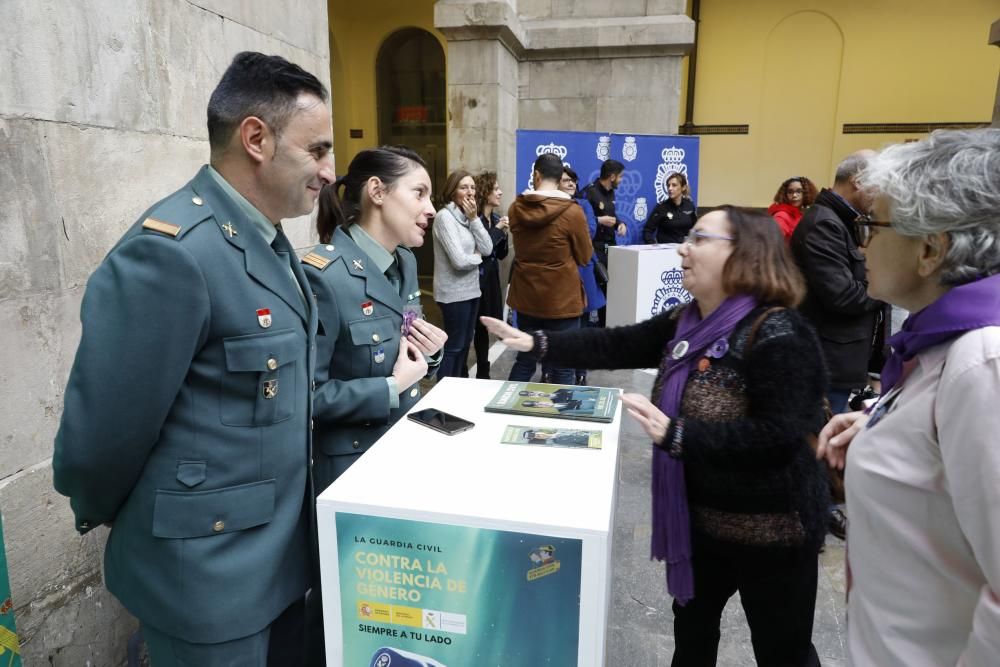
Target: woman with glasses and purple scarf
739 499
923 467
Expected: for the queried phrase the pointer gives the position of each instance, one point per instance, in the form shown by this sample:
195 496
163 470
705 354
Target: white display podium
643 280
514 536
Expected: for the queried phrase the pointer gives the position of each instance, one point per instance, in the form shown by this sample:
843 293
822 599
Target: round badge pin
680 349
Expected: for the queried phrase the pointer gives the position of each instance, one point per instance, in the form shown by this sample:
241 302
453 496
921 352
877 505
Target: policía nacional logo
543 561
630 150
603 148
673 163
639 212
670 293
542 149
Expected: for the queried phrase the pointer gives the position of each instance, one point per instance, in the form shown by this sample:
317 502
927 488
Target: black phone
441 421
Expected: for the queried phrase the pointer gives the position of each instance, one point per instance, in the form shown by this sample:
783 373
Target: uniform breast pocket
259 385
375 345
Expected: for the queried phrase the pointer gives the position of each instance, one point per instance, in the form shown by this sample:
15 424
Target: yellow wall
357 30
797 71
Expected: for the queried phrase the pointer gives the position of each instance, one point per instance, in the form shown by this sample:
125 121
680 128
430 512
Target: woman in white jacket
923 468
460 242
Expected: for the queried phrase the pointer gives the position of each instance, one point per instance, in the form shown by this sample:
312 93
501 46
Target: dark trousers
278 645
778 592
459 322
481 343
524 364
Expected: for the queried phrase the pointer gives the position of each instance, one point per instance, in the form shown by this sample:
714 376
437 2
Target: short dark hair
572 174
388 163
254 84
761 264
850 166
611 167
451 184
550 166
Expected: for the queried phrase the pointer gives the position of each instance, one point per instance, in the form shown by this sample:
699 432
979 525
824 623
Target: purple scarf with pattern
671 522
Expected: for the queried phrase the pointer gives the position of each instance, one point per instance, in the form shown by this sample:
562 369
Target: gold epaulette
316 260
162 227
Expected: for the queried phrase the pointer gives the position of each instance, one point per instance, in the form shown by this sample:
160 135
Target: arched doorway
410 89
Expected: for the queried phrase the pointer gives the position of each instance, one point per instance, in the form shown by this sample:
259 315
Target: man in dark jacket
551 240
837 303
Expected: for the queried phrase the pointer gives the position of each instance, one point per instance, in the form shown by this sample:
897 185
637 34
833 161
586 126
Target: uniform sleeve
652 224
447 232
828 272
145 315
350 401
968 422
785 384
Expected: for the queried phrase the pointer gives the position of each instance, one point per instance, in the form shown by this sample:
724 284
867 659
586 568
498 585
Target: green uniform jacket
186 420
355 351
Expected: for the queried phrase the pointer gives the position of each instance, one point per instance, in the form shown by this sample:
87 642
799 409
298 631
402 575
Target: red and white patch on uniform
264 317
367 308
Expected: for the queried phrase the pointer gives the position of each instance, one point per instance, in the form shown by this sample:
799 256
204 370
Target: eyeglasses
696 237
792 193
863 229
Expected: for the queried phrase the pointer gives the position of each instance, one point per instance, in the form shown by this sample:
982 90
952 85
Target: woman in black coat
488 195
673 217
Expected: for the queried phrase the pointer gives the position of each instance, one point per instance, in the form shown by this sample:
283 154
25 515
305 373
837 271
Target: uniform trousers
777 588
281 644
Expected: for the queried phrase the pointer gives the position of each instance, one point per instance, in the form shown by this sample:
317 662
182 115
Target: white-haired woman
923 468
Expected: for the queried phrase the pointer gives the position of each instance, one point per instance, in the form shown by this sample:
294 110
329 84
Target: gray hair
948 183
851 166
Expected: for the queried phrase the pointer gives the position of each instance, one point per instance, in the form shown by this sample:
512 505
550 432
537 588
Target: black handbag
600 272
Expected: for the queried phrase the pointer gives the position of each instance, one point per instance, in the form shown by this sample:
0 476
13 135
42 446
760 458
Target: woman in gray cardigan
460 242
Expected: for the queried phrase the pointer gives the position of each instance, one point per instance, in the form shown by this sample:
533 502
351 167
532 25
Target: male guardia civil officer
187 413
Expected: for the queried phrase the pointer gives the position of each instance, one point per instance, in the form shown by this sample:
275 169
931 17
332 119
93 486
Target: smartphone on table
440 421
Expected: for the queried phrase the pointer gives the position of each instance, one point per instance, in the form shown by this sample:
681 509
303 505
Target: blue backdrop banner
649 160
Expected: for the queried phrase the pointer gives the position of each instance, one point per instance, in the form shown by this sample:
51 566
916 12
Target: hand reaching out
837 435
426 337
508 335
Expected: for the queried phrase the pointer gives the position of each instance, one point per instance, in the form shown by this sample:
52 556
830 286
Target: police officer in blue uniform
186 425
373 346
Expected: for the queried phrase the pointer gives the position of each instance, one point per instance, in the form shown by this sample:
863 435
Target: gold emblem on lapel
229 229
358 265
270 389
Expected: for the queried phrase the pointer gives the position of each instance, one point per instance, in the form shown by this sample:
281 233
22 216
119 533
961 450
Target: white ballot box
643 280
462 550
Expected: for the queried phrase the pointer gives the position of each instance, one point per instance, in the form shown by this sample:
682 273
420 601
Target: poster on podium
450 596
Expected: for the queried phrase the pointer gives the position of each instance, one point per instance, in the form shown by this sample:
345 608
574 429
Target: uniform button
375 337
414 392
312 424
85 525
272 363
219 526
314 385
330 248
310 462
356 445
197 201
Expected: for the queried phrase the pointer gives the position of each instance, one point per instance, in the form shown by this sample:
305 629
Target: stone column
584 65
995 41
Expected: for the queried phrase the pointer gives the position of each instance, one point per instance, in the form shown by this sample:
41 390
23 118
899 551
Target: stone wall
586 65
102 112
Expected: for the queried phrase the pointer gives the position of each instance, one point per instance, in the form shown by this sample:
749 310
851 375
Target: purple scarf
964 308
671 523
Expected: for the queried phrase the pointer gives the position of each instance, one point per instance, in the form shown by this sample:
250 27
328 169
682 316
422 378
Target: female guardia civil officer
372 344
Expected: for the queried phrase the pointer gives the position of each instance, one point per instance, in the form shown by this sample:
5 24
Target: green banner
10 650
435 595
